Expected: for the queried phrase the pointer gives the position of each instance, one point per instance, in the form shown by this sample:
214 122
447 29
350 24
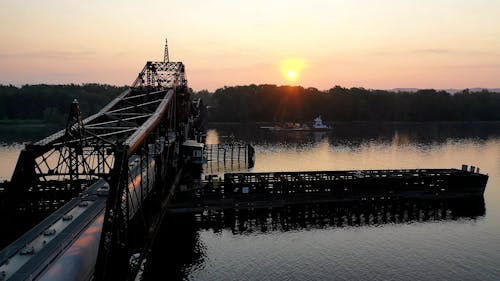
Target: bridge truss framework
132 143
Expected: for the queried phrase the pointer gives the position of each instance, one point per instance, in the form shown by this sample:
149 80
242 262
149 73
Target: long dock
280 188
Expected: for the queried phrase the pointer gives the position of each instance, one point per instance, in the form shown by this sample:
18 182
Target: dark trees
50 103
254 103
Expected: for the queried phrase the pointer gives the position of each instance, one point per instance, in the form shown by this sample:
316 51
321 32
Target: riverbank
494 122
21 131
24 123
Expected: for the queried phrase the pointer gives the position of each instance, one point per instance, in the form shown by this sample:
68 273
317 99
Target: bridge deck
30 255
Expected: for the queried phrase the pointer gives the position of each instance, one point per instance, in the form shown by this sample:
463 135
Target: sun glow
291 68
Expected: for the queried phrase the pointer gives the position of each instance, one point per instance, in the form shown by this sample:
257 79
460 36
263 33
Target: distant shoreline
22 123
26 123
366 122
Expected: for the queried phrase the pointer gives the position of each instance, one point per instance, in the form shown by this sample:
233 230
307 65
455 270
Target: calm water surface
407 241
400 241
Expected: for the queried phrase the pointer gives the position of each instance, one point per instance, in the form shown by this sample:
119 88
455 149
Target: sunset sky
373 44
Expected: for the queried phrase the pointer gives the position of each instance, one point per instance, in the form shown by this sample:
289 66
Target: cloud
452 52
474 65
48 55
436 52
433 51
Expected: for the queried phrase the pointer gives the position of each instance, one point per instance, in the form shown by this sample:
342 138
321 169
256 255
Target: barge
281 188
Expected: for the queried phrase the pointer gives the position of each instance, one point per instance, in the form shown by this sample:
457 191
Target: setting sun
291 68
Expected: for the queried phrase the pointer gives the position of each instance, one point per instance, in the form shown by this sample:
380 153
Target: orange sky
372 44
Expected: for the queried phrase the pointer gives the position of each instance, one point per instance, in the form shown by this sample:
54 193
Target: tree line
51 103
265 103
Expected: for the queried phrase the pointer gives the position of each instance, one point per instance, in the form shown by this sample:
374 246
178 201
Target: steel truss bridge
106 178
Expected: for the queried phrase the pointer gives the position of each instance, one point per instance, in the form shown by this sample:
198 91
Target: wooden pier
225 157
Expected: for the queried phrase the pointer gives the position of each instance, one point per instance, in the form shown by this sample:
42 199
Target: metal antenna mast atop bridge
165 56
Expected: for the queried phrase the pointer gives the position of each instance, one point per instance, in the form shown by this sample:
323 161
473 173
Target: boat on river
317 125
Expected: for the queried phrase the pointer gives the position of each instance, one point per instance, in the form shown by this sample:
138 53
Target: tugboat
316 126
319 126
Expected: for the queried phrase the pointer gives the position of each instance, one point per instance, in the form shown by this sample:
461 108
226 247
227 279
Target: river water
400 241
381 241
